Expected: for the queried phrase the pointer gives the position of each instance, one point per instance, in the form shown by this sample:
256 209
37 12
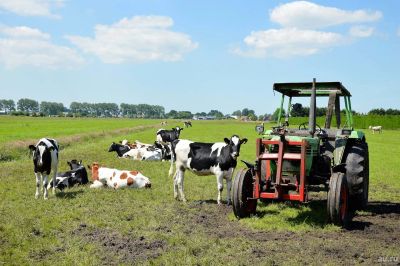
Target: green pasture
76 227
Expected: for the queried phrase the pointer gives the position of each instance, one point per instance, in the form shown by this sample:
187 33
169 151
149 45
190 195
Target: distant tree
201 114
264 117
184 115
7 105
391 111
172 114
276 113
297 110
216 113
51 108
28 105
237 113
252 117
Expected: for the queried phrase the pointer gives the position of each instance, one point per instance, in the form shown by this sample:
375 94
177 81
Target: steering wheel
304 126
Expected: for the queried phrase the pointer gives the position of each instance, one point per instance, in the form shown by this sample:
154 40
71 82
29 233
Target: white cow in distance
376 129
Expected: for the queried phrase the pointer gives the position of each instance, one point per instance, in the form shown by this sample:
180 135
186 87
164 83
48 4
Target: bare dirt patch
373 235
125 249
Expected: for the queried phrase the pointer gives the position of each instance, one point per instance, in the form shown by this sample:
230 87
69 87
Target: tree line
31 107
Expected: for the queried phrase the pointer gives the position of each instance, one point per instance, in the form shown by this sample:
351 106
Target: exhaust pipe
311 119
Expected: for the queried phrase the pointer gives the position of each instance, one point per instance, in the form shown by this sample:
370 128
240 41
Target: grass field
92 227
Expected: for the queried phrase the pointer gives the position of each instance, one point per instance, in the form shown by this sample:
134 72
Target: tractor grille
289 149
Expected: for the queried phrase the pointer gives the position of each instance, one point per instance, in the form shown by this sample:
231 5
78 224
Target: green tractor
294 161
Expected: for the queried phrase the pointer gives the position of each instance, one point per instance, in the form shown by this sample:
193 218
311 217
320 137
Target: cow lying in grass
45 161
141 152
77 175
103 176
205 159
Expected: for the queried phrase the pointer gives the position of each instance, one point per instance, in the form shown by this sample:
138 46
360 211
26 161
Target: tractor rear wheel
242 190
338 200
357 173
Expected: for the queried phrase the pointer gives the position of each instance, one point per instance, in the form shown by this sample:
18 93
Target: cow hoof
36 196
184 200
46 198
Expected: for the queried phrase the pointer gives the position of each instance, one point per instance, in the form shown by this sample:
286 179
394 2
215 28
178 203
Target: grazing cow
205 159
376 128
187 123
164 123
167 136
45 161
77 175
103 176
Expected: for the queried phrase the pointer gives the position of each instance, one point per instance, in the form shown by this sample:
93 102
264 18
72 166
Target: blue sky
197 55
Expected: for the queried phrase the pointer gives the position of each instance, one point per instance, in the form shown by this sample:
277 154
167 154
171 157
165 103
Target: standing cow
205 159
45 161
168 136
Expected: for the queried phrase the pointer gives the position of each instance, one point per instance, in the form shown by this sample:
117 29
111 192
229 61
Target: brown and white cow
103 176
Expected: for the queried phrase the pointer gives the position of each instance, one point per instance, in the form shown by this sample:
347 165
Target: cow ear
69 163
80 162
32 147
227 141
243 141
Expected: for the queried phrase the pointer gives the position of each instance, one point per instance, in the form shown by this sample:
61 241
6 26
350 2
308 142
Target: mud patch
124 249
373 235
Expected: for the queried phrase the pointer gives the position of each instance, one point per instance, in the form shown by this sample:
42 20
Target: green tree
276 113
7 105
28 105
216 113
237 113
51 108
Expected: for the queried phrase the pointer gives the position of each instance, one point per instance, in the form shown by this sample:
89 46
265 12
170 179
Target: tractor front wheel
243 205
338 200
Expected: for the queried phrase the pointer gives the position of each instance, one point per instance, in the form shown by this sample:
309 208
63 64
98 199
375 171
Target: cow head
177 131
41 154
95 171
75 164
234 145
141 181
113 147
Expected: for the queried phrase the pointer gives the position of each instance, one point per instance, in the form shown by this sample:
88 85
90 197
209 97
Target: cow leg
54 170
229 186
176 185
45 193
180 184
220 186
38 179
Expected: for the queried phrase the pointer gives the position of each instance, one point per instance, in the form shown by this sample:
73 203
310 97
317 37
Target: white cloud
300 33
28 46
307 15
361 31
138 39
32 7
288 42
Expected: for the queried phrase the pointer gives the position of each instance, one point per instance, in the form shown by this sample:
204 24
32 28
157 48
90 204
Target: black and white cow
187 124
165 149
168 136
119 149
205 159
45 161
77 175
